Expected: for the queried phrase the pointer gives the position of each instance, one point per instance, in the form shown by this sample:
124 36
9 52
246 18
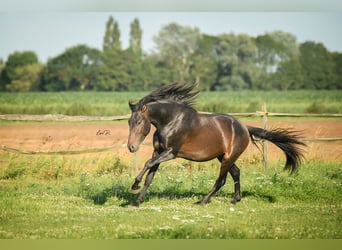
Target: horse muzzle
132 148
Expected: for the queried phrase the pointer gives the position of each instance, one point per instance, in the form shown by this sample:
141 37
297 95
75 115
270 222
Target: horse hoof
234 201
135 191
135 204
133 207
201 202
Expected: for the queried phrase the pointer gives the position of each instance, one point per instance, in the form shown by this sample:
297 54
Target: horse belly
201 148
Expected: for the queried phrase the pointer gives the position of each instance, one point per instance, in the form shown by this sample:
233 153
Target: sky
49 32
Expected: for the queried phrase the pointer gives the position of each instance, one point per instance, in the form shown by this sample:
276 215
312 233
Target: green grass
115 103
87 197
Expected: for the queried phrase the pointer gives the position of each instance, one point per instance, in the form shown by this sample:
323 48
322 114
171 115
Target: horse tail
287 140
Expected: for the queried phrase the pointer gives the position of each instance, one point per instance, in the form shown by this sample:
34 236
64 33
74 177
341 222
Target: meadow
44 197
115 103
87 196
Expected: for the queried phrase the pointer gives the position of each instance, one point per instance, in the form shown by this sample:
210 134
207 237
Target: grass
79 197
115 103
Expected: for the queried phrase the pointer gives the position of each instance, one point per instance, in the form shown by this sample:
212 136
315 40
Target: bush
115 167
320 108
13 171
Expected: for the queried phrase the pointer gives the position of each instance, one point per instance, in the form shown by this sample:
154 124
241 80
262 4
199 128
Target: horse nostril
131 148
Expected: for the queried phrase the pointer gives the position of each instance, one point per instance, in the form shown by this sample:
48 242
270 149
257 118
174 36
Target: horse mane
174 92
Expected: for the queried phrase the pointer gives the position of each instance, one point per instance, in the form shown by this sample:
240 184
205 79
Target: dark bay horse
181 132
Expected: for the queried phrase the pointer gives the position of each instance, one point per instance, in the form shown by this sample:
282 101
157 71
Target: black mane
182 94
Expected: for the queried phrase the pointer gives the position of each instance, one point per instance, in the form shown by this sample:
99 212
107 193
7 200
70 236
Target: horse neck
161 114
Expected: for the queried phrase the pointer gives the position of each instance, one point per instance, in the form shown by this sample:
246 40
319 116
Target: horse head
139 126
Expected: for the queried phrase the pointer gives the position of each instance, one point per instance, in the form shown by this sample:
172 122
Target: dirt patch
59 137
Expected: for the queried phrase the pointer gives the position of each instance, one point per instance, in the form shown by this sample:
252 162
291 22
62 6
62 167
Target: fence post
135 164
264 126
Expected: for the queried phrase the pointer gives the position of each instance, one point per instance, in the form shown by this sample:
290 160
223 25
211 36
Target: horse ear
143 108
132 106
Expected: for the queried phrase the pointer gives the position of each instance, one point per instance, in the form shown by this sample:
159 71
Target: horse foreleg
148 181
150 165
135 189
235 173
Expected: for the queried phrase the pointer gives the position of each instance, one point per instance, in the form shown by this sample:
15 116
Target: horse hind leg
235 173
221 180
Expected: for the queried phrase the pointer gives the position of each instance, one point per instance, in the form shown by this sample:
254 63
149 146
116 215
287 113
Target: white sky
50 32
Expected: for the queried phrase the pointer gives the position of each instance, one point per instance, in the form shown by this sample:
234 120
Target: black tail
287 140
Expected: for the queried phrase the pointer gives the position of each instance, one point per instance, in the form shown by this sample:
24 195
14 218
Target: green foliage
75 69
114 73
175 45
21 72
26 78
2 76
337 57
135 38
237 68
318 66
18 59
111 38
289 75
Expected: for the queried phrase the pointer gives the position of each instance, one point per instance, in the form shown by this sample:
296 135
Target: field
87 195
106 103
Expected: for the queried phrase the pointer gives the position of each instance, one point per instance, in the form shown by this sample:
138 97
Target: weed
13 171
113 166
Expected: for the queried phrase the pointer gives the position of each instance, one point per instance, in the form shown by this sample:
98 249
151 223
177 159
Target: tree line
273 60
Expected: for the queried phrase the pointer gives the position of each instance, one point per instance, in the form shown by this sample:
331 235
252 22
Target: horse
182 132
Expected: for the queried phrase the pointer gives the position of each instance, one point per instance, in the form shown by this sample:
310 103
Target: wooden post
264 126
135 164
190 170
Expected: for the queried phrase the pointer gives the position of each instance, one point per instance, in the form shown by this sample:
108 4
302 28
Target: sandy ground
60 136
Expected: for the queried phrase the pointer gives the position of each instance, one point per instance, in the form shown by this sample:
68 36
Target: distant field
115 103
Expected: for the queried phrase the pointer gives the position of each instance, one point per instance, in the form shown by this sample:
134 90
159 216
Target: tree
2 72
337 57
176 44
111 38
75 69
135 56
135 38
236 62
318 66
17 60
274 48
21 72
26 78
289 75
203 62
114 73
